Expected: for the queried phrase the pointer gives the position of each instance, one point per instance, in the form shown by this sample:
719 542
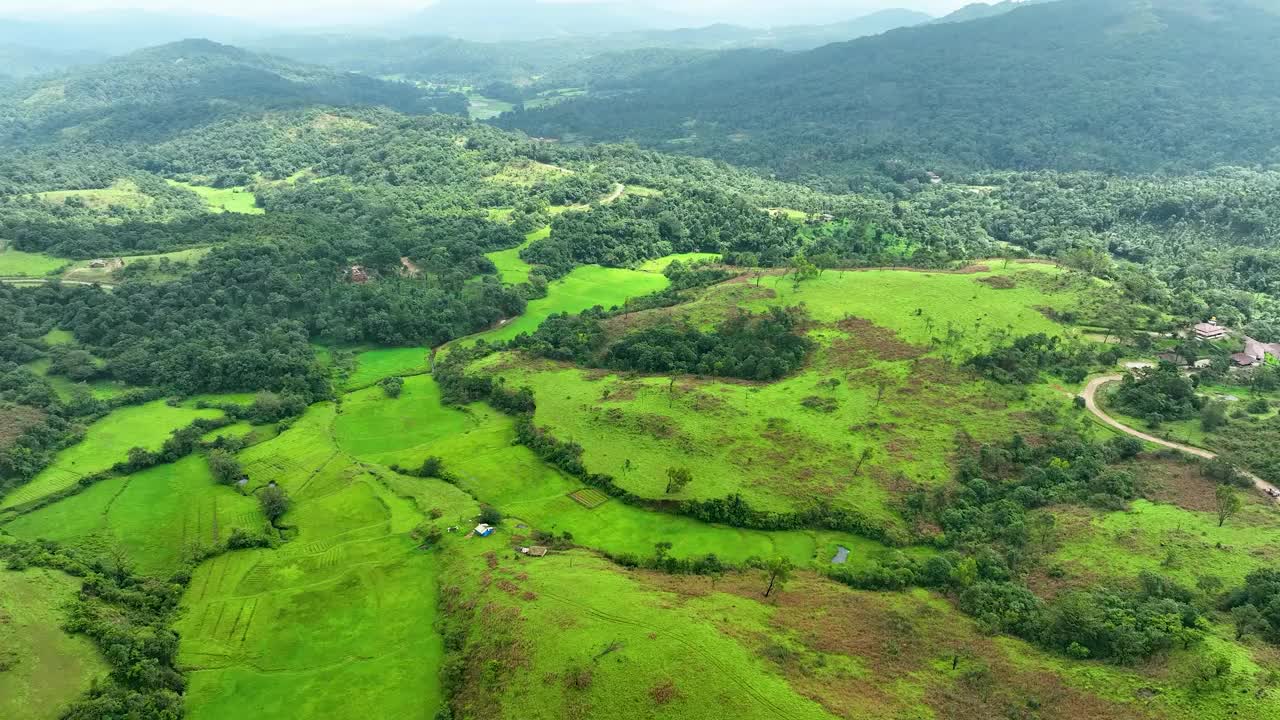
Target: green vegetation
44 668
106 443
583 288
15 263
750 447
233 200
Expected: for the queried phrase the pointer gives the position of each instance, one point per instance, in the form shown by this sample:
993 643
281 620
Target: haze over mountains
1130 85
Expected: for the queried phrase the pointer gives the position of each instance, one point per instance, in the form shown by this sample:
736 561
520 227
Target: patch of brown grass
999 282
16 420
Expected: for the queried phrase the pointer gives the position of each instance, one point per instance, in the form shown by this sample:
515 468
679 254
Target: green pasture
476 444
107 442
16 263
45 667
374 365
511 268
156 516
767 442
921 305
337 622
527 173
485 108
124 193
582 607
585 287
232 200
81 272
101 389
1169 540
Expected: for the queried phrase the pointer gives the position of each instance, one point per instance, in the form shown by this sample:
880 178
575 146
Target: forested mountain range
154 92
1127 85
442 58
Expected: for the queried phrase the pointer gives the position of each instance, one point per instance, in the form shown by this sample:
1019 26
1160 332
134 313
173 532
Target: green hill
159 91
1135 85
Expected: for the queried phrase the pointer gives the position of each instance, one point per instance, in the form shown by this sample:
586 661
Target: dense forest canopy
1073 85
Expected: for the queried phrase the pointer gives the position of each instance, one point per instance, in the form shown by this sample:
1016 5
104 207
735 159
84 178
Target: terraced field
107 442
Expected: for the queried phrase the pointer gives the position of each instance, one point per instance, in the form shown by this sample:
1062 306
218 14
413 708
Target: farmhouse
1210 331
1255 353
97 263
484 530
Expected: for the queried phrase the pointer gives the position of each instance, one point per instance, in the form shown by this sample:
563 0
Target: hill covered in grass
1134 85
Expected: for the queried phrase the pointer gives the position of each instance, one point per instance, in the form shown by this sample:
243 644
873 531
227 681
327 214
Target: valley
428 378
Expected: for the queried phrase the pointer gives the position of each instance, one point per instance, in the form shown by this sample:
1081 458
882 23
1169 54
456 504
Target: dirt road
1091 401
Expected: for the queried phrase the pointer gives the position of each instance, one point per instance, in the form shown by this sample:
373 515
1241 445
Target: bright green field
338 621
101 389
892 298
234 200
581 289
156 515
483 108
374 365
107 442
16 263
52 668
81 272
477 446
511 268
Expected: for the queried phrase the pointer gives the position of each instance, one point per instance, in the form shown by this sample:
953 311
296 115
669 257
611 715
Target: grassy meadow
581 289
125 193
158 516
335 623
107 442
511 268
44 667
16 263
231 200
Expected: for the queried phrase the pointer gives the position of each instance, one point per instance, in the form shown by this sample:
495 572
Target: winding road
1091 401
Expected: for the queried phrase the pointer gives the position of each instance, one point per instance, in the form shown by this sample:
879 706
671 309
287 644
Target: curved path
1091 401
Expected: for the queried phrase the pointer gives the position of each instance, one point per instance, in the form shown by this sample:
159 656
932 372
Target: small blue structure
484 530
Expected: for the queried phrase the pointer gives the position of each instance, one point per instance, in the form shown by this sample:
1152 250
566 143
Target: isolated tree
432 467
1213 416
1228 503
863 457
777 572
274 501
224 466
677 479
392 386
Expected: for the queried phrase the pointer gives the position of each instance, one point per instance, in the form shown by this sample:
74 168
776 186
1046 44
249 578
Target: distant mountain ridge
1114 85
162 90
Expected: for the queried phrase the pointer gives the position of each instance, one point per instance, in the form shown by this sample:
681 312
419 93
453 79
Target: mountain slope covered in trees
153 93
1134 85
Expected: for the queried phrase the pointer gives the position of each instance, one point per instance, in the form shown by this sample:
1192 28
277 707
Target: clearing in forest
16 263
511 268
231 200
125 193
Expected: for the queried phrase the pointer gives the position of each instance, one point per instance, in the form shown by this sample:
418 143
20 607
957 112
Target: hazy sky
328 11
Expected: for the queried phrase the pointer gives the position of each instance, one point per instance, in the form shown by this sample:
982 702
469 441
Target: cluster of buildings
1254 353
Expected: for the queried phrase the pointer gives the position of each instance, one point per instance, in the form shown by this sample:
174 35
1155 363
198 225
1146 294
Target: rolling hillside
1135 85
155 92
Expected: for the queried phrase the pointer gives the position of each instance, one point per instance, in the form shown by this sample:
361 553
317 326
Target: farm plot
581 289
157 516
374 365
336 622
107 442
16 263
476 444
45 668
